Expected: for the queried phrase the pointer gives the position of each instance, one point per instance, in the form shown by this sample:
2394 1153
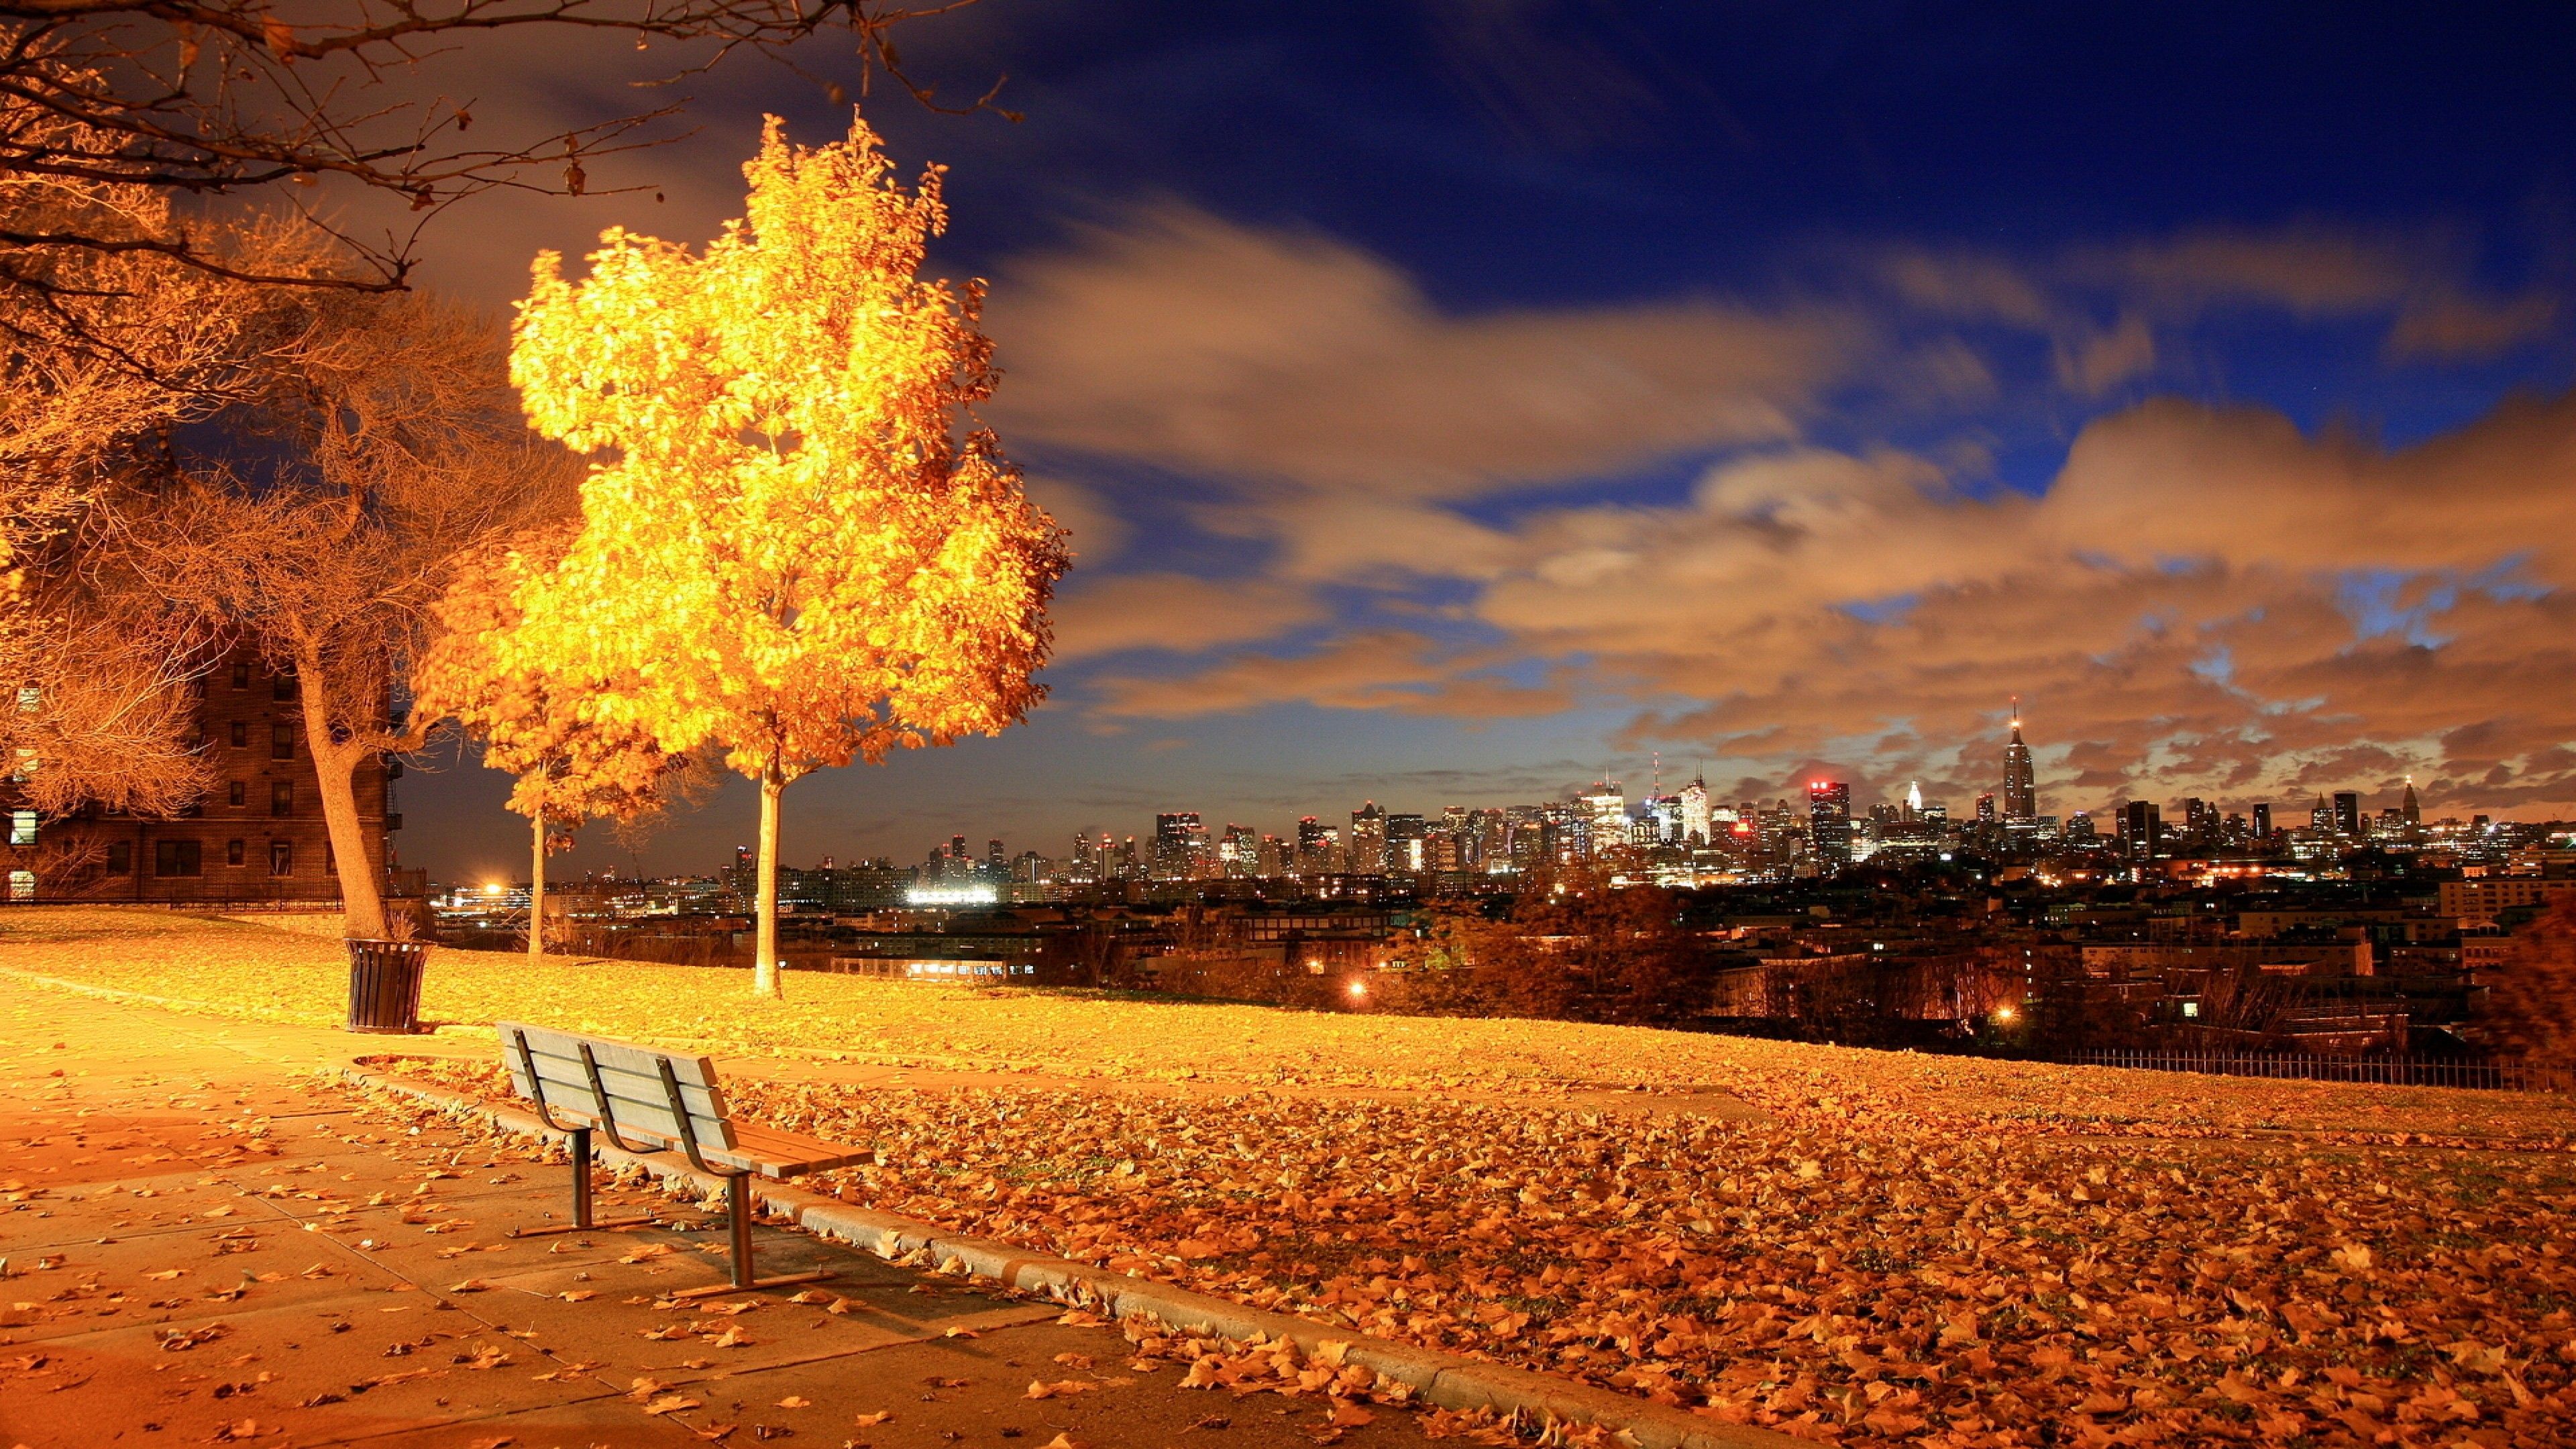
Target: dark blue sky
1457 399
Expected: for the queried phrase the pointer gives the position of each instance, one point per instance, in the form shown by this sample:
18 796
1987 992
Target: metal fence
2395 1071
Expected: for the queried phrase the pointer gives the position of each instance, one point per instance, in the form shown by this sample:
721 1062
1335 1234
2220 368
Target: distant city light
1358 988
953 895
493 888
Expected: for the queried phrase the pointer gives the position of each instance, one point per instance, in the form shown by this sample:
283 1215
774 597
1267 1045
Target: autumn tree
797 548
533 721
2530 1008
380 453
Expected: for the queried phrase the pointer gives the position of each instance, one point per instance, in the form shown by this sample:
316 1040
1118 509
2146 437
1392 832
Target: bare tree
102 354
214 98
394 453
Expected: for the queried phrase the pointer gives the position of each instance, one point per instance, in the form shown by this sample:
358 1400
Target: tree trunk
537 892
764 961
335 766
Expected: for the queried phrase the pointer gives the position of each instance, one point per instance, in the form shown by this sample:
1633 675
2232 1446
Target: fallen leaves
1925 1249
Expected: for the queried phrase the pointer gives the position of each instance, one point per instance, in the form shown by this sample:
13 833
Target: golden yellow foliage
535 723
793 548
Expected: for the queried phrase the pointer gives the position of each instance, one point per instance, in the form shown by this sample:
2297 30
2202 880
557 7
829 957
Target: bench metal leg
738 1220
738 1223
581 1220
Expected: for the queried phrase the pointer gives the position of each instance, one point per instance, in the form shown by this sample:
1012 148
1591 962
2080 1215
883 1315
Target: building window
241 734
22 827
281 797
283 688
235 852
281 742
22 885
241 674
177 858
120 857
239 792
281 857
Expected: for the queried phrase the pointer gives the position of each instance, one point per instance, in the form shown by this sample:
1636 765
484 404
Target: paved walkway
203 1244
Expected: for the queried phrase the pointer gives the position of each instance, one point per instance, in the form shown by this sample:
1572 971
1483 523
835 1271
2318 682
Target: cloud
1097 531
2313 270
1176 612
2449 327
2104 360
2183 599
1376 670
1193 343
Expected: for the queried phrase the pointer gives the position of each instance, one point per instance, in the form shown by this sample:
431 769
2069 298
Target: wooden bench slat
565 1075
787 1154
631 1075
640 1103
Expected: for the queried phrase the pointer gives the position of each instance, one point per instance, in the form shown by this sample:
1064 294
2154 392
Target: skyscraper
1172 834
1368 839
2347 813
1829 822
2409 807
2142 829
1239 854
1605 808
1405 835
1695 812
2021 789
1314 844
2263 822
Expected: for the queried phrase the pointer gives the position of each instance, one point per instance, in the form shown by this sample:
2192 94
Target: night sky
1453 401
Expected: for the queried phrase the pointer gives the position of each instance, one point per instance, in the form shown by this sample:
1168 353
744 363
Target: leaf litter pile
1849 1271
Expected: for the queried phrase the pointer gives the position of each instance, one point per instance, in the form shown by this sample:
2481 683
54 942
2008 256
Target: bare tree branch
223 97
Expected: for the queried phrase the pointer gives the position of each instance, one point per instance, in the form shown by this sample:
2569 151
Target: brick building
258 835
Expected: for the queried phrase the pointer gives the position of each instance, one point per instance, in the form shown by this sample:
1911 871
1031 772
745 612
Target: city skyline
1603 822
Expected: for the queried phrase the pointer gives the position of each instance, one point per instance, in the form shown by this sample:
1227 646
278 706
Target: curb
1440 1380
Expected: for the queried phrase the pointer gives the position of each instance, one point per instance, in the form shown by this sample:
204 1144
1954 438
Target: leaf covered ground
1911 1249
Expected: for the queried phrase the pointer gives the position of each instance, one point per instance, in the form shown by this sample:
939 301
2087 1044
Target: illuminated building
1368 839
2021 792
1605 810
1829 822
1405 835
2142 830
1696 817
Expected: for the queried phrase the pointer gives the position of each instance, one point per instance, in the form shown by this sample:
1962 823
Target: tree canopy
796 547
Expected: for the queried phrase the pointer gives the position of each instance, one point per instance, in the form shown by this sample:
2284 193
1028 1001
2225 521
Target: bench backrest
629 1076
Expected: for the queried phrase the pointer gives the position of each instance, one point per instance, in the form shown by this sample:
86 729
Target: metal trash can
384 985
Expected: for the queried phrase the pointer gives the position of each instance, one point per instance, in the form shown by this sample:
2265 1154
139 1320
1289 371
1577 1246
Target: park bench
646 1100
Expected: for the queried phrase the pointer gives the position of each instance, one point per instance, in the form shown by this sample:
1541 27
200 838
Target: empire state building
2021 791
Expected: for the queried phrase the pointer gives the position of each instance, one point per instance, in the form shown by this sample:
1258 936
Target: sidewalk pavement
206 1243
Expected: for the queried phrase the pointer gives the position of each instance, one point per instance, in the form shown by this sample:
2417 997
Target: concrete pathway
203 1243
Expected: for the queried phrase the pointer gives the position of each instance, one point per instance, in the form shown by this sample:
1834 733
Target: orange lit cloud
1196 344
1176 612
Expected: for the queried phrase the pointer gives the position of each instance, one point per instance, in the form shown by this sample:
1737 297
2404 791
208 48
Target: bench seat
645 1099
